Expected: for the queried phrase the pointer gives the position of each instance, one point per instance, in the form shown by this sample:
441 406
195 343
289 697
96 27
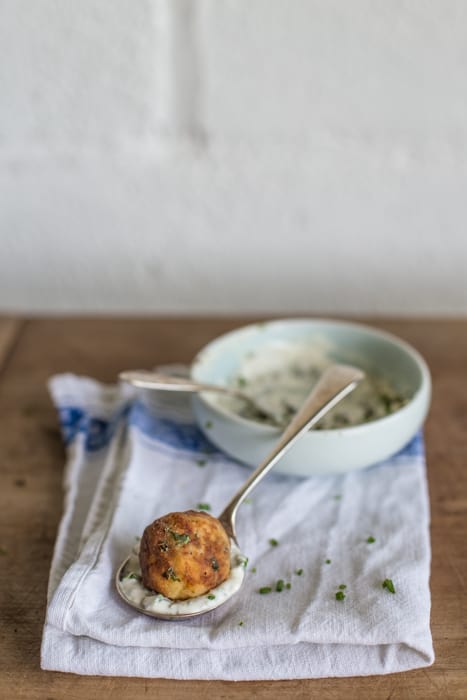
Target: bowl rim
424 387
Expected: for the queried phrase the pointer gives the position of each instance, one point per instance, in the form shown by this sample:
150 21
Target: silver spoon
144 379
335 383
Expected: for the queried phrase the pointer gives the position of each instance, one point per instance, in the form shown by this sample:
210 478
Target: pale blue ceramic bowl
321 451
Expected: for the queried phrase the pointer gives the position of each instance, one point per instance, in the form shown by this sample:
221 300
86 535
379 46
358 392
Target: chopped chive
264 590
342 587
180 538
253 569
341 420
370 540
386 401
208 424
288 586
240 624
242 560
210 596
328 561
388 584
170 574
340 595
203 506
280 585
133 576
299 572
273 542
201 462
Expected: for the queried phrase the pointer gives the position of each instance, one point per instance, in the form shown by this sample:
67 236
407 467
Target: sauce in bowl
281 377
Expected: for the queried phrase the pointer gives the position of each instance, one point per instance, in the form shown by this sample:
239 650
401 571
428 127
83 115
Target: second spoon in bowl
144 379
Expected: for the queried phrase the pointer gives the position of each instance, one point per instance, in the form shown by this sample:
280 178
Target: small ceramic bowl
319 451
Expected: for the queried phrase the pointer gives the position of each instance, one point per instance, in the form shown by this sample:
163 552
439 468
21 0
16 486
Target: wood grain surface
31 467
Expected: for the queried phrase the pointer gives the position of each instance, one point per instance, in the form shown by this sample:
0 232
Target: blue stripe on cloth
185 436
414 448
99 431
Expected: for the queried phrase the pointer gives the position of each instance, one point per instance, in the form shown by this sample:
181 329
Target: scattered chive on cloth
337 582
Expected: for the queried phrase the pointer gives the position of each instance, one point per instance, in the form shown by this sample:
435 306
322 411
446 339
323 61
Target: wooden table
32 458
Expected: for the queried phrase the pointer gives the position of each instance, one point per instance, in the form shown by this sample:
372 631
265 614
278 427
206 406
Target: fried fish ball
184 555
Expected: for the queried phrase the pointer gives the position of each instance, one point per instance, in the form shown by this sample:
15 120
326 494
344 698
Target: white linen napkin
131 460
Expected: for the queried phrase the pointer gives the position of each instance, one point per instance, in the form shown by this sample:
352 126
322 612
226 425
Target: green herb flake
133 576
242 382
388 585
342 587
203 506
180 538
340 595
299 572
240 624
248 500
208 424
369 413
370 540
280 585
170 574
201 462
211 596
253 569
387 402
242 560
288 586
273 542
265 590
328 561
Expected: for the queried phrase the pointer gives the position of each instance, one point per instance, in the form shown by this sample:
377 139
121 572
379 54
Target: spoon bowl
155 605
336 382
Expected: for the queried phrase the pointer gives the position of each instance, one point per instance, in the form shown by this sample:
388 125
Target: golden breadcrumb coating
184 555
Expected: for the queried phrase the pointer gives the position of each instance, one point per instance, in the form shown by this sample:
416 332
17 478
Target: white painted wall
233 156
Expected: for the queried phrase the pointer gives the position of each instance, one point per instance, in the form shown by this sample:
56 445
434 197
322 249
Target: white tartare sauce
130 586
280 377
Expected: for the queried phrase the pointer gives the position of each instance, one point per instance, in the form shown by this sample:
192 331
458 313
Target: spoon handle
336 382
153 380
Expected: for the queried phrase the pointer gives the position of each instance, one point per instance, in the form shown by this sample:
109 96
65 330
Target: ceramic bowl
319 451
